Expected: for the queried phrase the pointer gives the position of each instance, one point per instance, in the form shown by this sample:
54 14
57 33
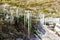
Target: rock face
19 31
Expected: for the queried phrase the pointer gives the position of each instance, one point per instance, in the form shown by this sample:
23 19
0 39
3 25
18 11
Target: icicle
17 13
11 16
28 16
